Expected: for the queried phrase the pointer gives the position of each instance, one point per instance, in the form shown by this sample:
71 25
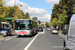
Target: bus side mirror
30 26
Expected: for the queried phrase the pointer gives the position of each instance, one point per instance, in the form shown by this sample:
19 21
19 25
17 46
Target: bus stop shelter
9 20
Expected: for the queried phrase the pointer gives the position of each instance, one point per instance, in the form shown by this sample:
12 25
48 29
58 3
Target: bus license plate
22 32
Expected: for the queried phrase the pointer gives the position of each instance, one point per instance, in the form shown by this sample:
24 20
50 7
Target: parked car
48 28
5 31
54 31
40 28
69 42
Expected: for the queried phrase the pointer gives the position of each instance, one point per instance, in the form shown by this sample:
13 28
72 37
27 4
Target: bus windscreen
22 24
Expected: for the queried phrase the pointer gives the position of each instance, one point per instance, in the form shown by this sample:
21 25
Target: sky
42 9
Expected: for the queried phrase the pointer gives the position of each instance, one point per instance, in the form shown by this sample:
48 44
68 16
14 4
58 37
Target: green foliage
62 12
34 24
11 12
2 17
39 22
47 24
35 19
42 25
18 13
54 22
0 3
2 12
27 16
62 19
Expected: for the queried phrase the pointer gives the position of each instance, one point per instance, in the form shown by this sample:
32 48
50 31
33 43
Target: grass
1 37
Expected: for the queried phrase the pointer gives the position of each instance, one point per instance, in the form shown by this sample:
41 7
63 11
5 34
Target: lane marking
26 48
8 39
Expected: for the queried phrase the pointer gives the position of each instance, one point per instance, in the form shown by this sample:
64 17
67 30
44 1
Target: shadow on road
55 33
26 36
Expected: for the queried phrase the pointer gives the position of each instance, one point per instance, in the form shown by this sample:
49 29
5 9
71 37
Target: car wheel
7 33
66 49
64 45
34 31
10 33
31 34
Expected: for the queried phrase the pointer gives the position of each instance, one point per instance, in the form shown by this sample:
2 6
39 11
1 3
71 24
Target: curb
61 35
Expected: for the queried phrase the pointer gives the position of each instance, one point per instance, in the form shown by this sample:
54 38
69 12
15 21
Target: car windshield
54 29
5 28
40 27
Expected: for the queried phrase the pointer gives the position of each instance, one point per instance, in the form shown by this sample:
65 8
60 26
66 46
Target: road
42 41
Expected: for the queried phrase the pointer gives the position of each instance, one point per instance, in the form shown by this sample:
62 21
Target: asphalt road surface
42 41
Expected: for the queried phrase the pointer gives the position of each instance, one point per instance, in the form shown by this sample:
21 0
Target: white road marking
7 39
26 48
42 32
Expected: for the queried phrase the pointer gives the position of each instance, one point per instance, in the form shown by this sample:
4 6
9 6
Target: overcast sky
42 9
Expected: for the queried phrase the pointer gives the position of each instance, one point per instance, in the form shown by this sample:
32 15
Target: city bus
25 27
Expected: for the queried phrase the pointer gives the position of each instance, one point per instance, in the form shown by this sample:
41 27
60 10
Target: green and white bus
25 27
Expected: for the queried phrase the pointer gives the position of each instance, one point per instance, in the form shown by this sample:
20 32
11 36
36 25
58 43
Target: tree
2 17
11 11
47 24
42 25
35 19
62 20
54 22
39 22
18 13
62 12
2 12
27 16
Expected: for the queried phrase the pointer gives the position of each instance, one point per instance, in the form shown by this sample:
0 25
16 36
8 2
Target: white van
69 42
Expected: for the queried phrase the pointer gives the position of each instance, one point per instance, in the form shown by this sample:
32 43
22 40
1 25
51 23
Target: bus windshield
22 24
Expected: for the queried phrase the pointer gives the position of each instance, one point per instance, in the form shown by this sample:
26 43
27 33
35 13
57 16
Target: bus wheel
31 34
34 31
10 33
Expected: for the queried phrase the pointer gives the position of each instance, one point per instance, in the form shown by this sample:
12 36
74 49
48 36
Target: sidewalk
62 35
1 37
